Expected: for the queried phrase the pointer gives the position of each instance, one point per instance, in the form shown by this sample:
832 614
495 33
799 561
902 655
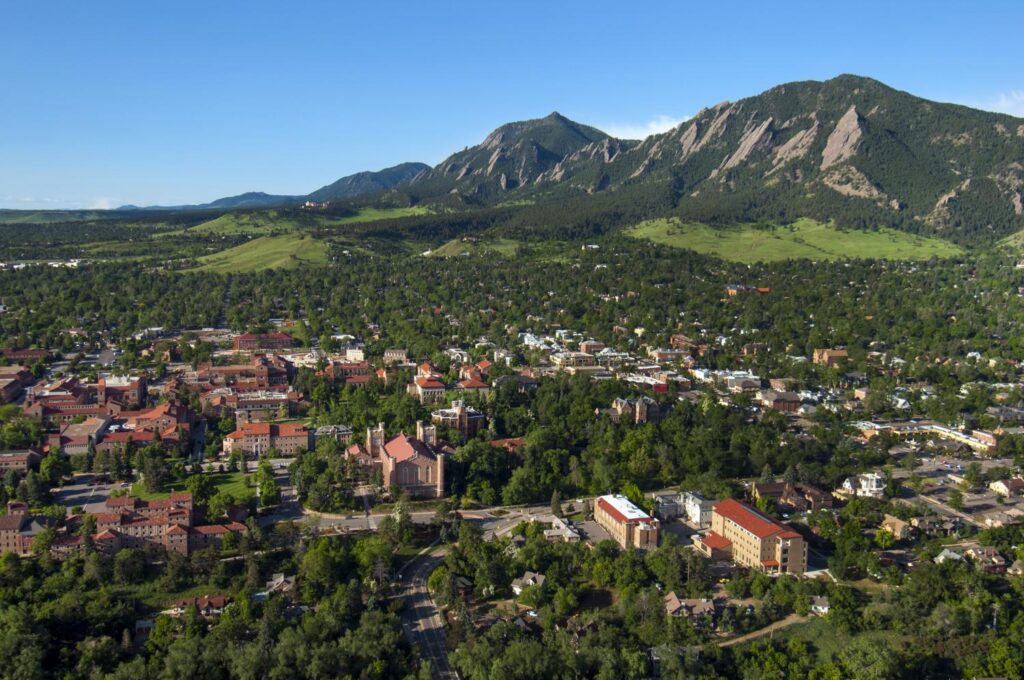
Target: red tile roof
716 541
403 447
752 520
472 384
430 383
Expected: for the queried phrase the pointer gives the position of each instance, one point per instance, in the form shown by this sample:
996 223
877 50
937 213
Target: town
189 458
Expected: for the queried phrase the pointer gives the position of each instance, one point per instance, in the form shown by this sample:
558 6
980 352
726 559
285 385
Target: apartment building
627 524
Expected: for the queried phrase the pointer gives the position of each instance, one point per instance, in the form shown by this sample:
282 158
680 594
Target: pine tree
556 503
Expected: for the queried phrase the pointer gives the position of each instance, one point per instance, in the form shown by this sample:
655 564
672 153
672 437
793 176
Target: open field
827 640
374 214
231 482
456 247
804 238
267 252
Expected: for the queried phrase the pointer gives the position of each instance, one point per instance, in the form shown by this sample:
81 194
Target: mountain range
849 149
348 187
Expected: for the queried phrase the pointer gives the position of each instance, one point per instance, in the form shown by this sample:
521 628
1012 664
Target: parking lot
85 492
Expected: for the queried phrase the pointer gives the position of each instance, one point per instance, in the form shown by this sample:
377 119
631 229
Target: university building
751 539
627 524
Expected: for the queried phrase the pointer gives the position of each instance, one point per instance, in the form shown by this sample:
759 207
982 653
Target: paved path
421 619
783 623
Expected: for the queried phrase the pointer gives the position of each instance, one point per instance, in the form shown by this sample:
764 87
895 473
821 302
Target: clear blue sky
141 102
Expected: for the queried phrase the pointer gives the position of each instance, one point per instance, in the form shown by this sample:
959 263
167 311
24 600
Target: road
421 619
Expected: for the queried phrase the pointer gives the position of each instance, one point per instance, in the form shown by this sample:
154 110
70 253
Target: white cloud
656 125
102 204
1011 102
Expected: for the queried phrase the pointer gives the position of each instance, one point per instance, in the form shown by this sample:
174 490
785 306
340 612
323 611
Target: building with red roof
254 439
752 539
626 523
254 342
414 465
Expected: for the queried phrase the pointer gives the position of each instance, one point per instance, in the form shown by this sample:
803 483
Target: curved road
421 620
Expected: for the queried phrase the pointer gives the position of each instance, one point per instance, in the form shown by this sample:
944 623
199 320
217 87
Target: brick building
627 524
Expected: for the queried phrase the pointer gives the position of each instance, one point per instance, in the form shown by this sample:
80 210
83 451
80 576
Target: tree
556 503
956 499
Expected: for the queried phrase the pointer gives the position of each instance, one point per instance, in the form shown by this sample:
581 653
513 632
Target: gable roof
403 447
752 520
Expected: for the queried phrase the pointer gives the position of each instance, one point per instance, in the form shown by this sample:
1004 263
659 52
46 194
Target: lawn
804 238
827 640
231 482
234 224
375 214
267 252
456 247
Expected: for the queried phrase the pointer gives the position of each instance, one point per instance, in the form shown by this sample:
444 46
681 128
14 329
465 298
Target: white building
696 509
869 484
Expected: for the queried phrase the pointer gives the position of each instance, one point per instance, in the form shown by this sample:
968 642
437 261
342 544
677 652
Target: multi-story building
627 524
753 540
466 420
252 342
19 461
414 465
696 509
255 439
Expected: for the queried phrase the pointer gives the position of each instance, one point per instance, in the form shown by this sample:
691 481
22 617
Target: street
421 619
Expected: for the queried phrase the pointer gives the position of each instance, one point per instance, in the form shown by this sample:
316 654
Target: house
1016 569
784 402
830 358
465 420
689 608
561 531
278 583
987 559
208 606
796 496
696 509
753 540
626 523
868 485
527 580
250 342
667 507
948 555
819 605
900 529
1008 487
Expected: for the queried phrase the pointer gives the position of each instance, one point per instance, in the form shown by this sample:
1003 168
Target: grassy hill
804 238
267 252
270 221
456 247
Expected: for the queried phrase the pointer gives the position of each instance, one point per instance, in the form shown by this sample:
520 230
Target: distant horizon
184 105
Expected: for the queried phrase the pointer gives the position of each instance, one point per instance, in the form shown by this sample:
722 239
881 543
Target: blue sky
162 103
